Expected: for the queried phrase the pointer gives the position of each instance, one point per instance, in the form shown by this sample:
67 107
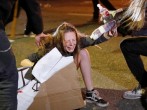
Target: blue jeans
8 75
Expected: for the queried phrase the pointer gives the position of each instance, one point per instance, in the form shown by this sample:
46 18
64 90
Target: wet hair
59 36
56 39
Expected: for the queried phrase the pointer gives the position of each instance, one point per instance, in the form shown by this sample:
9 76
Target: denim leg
8 75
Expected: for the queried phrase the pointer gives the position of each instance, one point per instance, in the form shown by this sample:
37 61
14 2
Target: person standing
8 69
34 18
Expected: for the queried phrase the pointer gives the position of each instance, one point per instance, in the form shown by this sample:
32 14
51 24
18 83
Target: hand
119 10
39 37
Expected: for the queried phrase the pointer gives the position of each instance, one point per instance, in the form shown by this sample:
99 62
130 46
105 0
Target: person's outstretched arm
99 35
34 16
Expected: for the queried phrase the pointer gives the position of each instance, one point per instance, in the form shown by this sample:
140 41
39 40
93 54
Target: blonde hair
56 39
135 14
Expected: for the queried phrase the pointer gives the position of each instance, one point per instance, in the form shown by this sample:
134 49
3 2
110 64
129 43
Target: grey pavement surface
79 12
114 97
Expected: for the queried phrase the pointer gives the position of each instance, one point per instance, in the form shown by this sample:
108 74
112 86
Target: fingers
37 41
39 37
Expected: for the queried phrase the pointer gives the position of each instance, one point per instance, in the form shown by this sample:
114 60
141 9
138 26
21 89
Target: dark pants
132 48
8 75
106 3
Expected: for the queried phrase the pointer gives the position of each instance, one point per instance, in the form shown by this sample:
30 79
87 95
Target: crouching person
70 42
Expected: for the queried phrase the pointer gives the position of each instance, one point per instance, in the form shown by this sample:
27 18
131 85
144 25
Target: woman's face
69 42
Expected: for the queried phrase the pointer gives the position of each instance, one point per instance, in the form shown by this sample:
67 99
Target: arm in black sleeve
34 57
99 35
87 41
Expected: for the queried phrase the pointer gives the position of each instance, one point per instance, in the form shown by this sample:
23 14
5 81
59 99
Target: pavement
79 12
116 102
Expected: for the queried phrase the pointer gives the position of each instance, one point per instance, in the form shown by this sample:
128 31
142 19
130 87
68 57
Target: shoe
136 93
27 31
93 97
29 35
26 35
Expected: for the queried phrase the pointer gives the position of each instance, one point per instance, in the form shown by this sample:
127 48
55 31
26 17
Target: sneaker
27 31
136 93
93 97
29 35
26 34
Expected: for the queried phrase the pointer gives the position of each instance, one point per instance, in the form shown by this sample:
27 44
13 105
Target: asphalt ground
79 12
116 102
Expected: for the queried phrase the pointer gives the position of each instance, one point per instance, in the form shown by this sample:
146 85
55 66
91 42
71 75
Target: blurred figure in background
45 3
34 17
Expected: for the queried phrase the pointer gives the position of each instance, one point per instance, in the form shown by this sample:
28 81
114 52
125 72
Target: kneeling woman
71 42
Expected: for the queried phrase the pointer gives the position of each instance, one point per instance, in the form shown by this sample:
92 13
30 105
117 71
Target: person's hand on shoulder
39 37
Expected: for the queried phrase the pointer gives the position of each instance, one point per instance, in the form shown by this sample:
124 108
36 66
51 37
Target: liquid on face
69 41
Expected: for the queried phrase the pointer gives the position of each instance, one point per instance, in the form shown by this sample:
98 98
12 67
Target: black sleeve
34 57
87 41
